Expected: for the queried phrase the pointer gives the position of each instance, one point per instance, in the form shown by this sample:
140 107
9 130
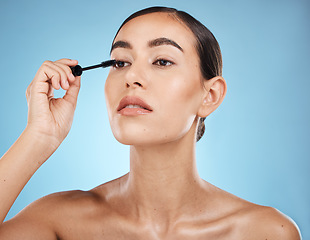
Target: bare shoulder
45 217
247 220
261 222
77 202
60 202
63 215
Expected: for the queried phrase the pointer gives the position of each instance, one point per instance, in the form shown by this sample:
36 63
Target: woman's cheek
178 101
182 90
110 94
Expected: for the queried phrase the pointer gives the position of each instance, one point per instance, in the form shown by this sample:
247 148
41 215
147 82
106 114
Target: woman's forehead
151 26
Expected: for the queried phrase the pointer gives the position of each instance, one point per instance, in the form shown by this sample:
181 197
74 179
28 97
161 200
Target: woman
166 80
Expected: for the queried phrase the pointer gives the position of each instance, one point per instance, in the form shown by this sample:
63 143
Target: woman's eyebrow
164 41
120 44
153 43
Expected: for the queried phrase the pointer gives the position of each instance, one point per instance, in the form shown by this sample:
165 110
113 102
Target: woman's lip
133 100
133 111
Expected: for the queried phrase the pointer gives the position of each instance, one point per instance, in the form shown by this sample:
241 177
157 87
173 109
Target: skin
162 197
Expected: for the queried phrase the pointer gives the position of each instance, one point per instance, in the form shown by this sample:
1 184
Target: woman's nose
135 76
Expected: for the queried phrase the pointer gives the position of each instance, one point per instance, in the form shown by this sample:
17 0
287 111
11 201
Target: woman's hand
50 118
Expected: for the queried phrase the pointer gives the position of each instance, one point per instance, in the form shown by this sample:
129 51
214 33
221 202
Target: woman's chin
148 134
138 140
145 140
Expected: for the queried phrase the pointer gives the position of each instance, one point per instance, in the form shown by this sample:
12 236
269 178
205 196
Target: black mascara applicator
78 70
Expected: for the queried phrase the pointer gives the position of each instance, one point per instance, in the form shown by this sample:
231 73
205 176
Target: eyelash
167 63
118 62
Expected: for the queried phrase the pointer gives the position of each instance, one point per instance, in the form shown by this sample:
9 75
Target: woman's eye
120 64
163 63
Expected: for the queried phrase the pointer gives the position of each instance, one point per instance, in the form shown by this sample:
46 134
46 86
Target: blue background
256 144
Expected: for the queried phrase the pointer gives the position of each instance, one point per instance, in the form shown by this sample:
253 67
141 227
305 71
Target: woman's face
153 94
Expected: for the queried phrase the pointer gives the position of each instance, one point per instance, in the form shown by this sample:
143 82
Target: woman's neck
163 179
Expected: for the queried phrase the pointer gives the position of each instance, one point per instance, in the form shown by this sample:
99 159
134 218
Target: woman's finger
50 93
53 75
73 91
46 74
67 70
67 61
63 75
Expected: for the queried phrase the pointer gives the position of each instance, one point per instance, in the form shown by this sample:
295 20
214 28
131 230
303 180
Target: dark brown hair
207 46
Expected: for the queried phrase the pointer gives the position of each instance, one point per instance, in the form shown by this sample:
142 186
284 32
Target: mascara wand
78 70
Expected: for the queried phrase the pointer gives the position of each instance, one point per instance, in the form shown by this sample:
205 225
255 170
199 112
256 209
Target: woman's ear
214 93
